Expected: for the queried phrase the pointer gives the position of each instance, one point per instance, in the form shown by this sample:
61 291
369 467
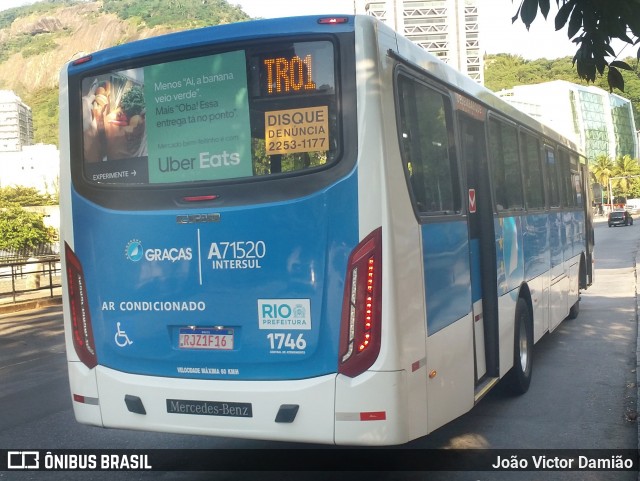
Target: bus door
481 241
586 200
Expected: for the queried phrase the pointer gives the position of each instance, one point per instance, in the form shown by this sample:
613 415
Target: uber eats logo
135 252
205 160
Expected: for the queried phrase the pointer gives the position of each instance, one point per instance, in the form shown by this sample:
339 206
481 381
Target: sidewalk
31 300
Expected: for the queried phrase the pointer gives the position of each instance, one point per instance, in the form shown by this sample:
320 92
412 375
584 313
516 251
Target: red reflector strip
364 416
85 399
418 364
373 416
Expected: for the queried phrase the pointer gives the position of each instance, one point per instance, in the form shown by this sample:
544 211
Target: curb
29 305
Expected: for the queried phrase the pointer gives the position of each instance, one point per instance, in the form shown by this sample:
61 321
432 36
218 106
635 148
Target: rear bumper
364 412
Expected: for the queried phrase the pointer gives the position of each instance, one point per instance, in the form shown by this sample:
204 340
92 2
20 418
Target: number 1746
280 340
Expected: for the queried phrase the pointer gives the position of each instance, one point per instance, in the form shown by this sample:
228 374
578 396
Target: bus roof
417 56
232 32
305 25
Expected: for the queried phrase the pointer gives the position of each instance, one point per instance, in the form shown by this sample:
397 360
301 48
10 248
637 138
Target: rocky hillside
37 40
48 41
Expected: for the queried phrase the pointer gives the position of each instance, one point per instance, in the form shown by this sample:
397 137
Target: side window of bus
552 177
569 198
576 180
533 179
428 149
505 166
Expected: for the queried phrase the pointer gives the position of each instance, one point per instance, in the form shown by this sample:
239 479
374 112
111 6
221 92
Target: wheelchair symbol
122 340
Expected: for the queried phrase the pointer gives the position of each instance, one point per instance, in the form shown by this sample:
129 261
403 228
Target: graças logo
135 252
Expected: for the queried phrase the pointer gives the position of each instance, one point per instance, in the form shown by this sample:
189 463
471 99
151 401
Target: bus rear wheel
519 377
575 310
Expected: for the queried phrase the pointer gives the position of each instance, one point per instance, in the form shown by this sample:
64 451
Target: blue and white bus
306 229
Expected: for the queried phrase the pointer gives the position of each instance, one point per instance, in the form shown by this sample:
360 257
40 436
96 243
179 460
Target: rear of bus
217 277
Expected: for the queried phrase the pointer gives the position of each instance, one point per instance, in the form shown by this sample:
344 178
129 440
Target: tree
627 170
44 105
22 230
592 24
23 196
504 71
601 170
176 13
623 174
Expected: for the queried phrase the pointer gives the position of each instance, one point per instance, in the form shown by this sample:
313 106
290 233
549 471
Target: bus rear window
261 111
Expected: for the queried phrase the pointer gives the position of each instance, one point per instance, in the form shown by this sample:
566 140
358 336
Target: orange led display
289 75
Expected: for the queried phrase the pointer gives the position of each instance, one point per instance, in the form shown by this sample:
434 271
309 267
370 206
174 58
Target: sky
497 33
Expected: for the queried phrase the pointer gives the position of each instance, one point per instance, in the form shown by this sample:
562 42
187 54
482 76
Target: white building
16 123
448 29
21 162
34 166
600 122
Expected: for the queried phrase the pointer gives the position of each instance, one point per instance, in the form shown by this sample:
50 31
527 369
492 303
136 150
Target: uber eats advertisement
174 122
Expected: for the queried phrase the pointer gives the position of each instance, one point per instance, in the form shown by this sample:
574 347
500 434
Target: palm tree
628 170
602 169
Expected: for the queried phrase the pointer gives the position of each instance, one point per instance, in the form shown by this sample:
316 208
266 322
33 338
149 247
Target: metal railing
26 278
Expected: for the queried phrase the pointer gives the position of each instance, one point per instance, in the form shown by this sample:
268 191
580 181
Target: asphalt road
583 394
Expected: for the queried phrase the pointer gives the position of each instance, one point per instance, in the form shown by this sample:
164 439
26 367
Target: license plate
206 338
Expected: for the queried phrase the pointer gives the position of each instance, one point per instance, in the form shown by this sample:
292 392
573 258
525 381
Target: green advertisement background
206 111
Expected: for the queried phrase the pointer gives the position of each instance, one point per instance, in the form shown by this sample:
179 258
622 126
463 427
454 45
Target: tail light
79 307
361 307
